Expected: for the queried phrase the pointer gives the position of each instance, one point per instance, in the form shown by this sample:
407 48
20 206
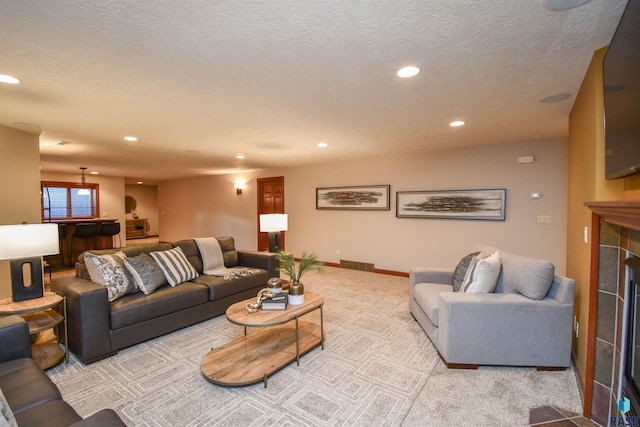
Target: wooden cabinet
47 321
137 228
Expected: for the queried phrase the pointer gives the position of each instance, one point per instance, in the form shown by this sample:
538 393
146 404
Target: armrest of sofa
504 329
15 339
103 418
87 317
429 275
264 260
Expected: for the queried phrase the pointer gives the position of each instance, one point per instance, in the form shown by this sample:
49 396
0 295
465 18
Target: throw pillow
175 266
531 277
482 274
461 270
145 272
110 272
6 414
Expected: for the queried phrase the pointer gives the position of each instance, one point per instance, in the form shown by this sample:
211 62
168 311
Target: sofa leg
461 365
550 368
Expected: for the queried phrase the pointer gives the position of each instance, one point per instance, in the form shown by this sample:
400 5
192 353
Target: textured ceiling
198 81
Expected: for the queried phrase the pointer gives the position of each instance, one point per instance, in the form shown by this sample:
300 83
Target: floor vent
356 265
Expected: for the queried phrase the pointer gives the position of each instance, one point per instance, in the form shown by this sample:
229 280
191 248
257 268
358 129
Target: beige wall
19 186
209 206
111 194
146 204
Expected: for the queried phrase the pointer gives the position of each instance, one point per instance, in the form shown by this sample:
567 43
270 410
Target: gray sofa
32 398
518 324
98 328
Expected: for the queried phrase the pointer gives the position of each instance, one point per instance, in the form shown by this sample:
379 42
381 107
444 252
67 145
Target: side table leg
66 335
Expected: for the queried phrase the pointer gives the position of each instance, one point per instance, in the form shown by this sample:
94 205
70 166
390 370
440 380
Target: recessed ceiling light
94 173
322 144
557 5
240 156
409 71
456 123
5 78
555 98
139 182
130 138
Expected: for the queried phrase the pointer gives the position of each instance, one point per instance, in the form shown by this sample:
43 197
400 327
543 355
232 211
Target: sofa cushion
137 308
229 253
191 251
218 287
25 385
427 295
482 274
461 270
110 272
530 277
145 272
175 266
6 415
56 413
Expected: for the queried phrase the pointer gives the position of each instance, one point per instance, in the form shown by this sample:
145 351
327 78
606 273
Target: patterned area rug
378 368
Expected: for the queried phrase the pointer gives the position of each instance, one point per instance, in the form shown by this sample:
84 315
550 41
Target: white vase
296 294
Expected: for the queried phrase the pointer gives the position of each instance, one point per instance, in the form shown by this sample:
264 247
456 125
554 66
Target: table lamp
274 224
24 245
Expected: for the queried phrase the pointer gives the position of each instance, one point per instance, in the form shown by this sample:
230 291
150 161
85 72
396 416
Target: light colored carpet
378 368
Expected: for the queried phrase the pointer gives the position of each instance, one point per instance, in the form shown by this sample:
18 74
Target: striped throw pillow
175 266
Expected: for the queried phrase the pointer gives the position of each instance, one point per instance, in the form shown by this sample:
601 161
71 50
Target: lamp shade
28 240
273 222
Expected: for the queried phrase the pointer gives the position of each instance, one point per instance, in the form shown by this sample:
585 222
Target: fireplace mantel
619 212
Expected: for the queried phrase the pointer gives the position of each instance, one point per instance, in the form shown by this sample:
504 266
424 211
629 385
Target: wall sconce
239 186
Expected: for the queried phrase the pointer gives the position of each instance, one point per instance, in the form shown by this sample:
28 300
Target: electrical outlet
543 219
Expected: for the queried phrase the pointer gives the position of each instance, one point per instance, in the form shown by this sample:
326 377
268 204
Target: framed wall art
454 204
368 197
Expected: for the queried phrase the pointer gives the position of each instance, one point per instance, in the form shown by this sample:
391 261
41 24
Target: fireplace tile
600 404
603 363
608 269
609 234
606 317
634 242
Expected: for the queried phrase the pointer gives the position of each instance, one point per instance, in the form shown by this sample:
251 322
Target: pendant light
83 191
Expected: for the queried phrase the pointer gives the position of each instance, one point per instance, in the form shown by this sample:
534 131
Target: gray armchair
520 323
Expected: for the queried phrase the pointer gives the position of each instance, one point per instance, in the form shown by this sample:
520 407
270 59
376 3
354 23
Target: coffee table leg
297 343
321 328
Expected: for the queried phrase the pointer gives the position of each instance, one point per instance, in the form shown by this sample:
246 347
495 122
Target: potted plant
308 262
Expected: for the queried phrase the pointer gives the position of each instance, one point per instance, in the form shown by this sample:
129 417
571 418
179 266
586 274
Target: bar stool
85 231
62 240
111 229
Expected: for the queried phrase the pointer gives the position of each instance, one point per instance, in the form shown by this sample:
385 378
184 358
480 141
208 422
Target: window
60 200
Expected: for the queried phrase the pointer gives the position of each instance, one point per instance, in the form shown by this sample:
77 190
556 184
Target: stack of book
278 302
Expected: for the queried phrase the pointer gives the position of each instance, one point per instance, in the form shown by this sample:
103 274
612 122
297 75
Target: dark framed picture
453 204
367 197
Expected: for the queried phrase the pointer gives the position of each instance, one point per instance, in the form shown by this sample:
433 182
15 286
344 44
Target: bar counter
102 242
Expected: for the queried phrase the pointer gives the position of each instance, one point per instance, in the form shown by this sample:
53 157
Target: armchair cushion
6 415
528 276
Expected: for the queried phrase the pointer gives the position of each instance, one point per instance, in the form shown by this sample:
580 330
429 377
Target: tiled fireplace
619 239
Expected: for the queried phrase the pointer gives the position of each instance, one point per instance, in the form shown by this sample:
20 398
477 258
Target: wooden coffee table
281 339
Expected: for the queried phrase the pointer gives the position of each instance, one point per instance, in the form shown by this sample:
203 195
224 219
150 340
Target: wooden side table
40 315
